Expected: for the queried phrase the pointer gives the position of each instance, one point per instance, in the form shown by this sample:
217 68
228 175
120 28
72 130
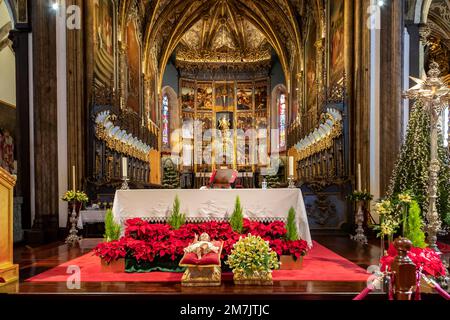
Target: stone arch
8 59
419 11
11 10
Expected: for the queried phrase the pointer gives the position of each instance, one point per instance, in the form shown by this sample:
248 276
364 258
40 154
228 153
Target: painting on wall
311 66
224 93
187 96
205 96
134 67
336 60
261 96
244 96
104 42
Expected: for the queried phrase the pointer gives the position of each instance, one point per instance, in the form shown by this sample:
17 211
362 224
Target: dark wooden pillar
76 107
19 37
361 93
415 64
45 227
392 25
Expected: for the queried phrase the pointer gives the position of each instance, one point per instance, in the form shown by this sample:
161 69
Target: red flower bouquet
426 258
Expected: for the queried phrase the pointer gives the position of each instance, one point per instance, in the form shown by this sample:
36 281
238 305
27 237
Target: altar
213 204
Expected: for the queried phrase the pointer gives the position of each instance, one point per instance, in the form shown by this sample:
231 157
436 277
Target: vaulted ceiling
223 35
220 26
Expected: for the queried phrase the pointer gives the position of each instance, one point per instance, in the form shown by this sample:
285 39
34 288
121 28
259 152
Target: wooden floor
33 261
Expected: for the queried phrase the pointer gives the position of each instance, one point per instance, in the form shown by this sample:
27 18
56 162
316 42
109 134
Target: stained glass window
165 122
282 119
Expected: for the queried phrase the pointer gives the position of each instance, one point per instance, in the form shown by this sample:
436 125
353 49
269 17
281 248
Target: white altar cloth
90 216
213 204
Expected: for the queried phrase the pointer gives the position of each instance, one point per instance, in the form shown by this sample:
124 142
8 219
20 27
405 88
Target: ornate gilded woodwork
8 271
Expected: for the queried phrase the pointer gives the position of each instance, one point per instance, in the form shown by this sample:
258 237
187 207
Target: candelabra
291 182
359 219
125 184
73 239
435 95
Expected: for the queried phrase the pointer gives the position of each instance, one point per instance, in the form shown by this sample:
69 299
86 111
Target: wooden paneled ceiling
242 27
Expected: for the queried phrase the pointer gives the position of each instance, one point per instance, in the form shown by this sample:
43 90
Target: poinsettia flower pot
288 262
115 266
254 279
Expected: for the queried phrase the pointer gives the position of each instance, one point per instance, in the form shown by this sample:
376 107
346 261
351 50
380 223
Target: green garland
360 196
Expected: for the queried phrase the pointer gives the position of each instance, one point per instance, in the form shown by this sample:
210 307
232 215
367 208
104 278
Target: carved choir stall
322 157
117 133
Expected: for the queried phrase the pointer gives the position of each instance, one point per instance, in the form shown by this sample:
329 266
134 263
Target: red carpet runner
321 264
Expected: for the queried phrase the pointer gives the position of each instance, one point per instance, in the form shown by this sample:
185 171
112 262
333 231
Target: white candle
73 179
291 166
125 167
359 186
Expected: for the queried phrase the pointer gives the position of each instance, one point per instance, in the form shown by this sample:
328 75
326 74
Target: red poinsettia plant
426 258
146 242
111 251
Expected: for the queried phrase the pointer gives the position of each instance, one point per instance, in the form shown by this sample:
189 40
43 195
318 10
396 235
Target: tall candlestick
291 166
73 179
125 167
359 186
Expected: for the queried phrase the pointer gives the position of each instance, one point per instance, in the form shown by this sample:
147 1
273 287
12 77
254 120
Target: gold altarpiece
8 271
241 105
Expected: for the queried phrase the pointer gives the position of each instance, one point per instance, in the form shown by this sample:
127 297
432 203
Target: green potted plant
112 259
252 261
237 218
288 261
176 218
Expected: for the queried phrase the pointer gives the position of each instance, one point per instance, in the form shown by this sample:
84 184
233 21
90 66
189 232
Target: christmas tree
171 179
411 171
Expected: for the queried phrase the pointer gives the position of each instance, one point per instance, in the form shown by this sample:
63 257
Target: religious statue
201 246
224 124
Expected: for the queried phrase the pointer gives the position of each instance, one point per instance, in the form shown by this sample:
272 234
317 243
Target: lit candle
125 167
359 177
73 179
291 166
